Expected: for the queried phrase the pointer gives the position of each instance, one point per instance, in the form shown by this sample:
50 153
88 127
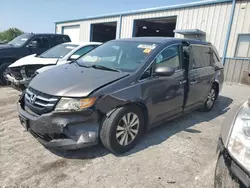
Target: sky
38 16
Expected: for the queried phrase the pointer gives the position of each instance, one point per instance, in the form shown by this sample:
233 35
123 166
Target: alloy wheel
211 98
127 129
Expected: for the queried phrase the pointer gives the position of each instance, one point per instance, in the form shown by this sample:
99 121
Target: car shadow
157 135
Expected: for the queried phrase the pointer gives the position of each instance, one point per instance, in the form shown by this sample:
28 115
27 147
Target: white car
23 70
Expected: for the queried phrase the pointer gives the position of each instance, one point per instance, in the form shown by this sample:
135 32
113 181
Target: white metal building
224 23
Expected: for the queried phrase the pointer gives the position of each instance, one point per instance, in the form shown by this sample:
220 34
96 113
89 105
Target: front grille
38 102
15 72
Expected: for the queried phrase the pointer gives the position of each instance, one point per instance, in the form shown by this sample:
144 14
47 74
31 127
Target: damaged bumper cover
24 81
234 167
68 131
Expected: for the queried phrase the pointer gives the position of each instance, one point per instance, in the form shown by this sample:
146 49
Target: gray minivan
118 91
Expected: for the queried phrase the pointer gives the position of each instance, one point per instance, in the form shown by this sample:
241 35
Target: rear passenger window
170 57
55 40
201 56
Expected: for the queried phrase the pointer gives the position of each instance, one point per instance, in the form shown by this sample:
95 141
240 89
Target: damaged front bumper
67 131
23 82
235 168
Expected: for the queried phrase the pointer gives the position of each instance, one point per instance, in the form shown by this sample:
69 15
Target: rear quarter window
201 56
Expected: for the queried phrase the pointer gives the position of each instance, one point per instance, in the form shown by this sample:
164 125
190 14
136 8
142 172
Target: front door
42 45
200 75
167 93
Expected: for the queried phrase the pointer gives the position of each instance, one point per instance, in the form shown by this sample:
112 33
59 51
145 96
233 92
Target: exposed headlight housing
239 142
74 104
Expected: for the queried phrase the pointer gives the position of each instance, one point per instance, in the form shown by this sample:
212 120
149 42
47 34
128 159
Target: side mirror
33 44
74 57
164 71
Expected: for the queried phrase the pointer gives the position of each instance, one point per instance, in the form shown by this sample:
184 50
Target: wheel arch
142 106
217 87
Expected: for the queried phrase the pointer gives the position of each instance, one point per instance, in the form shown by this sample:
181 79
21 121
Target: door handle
183 82
193 82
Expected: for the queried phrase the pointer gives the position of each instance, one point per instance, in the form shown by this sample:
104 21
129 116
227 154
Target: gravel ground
180 153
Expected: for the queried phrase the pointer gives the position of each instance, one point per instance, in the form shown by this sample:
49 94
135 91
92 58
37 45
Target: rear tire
211 99
117 135
3 67
223 177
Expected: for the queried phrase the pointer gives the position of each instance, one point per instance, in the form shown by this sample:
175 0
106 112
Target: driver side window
39 42
170 57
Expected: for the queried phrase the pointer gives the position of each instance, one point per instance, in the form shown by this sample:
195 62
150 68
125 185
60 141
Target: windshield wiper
104 68
80 65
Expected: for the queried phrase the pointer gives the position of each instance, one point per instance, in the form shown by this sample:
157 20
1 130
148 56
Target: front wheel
121 131
3 68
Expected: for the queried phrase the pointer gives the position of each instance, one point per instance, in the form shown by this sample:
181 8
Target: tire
3 67
211 99
223 177
110 132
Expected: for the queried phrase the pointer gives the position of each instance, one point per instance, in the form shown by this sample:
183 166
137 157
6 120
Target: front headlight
239 143
74 104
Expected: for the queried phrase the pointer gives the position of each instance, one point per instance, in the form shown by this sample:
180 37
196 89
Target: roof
164 40
190 32
52 34
81 43
187 5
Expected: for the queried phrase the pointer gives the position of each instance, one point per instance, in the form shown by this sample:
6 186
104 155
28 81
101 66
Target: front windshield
20 40
125 56
59 51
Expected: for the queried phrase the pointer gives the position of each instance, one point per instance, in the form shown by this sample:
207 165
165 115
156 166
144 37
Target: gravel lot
180 153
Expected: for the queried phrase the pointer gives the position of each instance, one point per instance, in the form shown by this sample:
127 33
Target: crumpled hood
32 60
71 80
45 68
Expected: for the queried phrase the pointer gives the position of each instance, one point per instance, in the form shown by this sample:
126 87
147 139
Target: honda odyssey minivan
120 90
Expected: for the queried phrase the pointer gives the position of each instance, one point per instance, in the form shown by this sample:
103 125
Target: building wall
85 26
213 19
241 25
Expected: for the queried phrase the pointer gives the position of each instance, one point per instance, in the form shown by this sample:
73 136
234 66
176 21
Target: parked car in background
119 90
27 44
23 70
233 164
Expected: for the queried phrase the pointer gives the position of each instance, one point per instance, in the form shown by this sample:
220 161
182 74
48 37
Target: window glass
58 51
39 41
201 56
147 73
243 46
45 42
125 56
57 40
20 40
169 57
215 58
83 50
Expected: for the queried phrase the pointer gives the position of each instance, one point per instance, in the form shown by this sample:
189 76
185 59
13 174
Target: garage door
73 32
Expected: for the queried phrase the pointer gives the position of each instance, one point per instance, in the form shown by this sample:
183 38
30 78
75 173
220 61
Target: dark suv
27 44
120 90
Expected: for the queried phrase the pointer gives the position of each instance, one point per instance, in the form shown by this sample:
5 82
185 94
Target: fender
8 60
109 103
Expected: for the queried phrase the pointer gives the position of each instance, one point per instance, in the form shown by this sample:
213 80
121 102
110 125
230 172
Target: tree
10 34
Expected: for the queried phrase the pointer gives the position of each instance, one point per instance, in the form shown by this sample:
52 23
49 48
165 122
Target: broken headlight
74 104
239 142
